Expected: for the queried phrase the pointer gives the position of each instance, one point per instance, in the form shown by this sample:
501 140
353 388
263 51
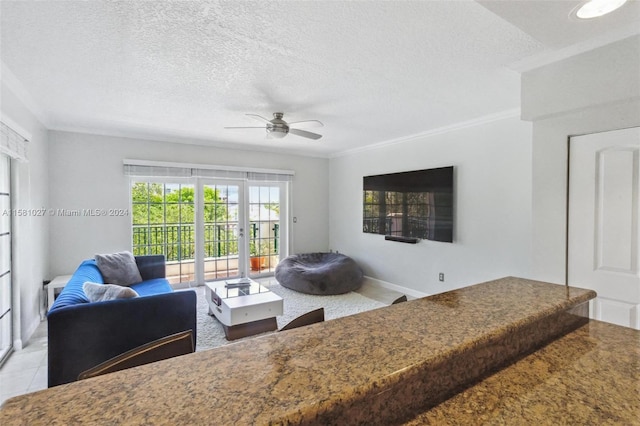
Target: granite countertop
588 377
300 375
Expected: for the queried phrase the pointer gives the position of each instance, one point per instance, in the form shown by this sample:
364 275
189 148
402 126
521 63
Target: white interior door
603 223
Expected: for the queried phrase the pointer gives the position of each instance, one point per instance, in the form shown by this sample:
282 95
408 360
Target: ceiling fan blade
307 123
258 117
305 134
253 127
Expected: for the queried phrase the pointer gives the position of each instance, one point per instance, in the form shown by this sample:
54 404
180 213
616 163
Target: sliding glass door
221 222
211 229
242 228
267 207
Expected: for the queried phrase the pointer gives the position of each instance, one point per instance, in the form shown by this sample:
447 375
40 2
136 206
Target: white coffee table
243 310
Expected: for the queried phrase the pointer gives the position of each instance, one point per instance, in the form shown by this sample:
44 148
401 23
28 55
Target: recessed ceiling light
596 8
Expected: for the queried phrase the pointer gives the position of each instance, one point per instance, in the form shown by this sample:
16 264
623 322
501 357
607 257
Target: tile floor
26 370
378 293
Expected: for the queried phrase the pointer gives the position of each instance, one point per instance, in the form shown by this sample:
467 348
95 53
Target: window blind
155 171
268 177
147 169
12 143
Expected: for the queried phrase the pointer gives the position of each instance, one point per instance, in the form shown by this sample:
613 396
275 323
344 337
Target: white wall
30 233
578 104
604 76
492 226
87 173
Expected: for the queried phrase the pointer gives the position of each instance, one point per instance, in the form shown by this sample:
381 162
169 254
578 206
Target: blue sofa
84 334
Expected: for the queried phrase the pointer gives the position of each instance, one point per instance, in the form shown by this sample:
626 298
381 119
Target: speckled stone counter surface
588 377
386 365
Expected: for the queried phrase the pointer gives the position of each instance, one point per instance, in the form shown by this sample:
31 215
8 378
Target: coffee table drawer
244 314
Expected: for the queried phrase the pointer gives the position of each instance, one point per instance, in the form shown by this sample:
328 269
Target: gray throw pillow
118 268
100 292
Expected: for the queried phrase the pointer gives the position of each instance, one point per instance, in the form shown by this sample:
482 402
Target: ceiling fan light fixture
277 128
597 8
277 133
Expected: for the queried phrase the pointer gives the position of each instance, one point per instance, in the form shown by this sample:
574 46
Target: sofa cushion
72 293
118 268
101 292
154 286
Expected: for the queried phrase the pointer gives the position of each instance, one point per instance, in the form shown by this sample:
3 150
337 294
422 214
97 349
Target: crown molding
177 137
546 58
13 125
8 78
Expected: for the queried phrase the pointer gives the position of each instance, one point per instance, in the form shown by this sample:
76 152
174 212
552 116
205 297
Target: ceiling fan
278 128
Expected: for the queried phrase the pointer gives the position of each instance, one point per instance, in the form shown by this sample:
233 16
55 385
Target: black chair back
164 348
312 317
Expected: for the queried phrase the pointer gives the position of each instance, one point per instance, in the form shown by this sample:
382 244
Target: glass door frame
283 228
200 225
243 184
244 269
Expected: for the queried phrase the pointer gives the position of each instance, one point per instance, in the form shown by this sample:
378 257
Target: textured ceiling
371 71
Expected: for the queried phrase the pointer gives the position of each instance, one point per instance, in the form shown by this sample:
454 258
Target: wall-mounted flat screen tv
416 204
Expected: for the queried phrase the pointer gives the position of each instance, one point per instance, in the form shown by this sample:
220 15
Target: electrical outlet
441 276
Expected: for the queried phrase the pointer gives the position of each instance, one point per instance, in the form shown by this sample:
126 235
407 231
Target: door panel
223 230
603 223
616 215
265 227
242 224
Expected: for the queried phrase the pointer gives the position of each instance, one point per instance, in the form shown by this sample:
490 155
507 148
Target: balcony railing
177 242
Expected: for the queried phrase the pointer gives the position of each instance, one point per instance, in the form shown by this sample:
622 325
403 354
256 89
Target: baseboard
615 312
408 291
19 344
32 329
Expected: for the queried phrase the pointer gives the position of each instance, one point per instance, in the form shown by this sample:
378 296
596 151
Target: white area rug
210 333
